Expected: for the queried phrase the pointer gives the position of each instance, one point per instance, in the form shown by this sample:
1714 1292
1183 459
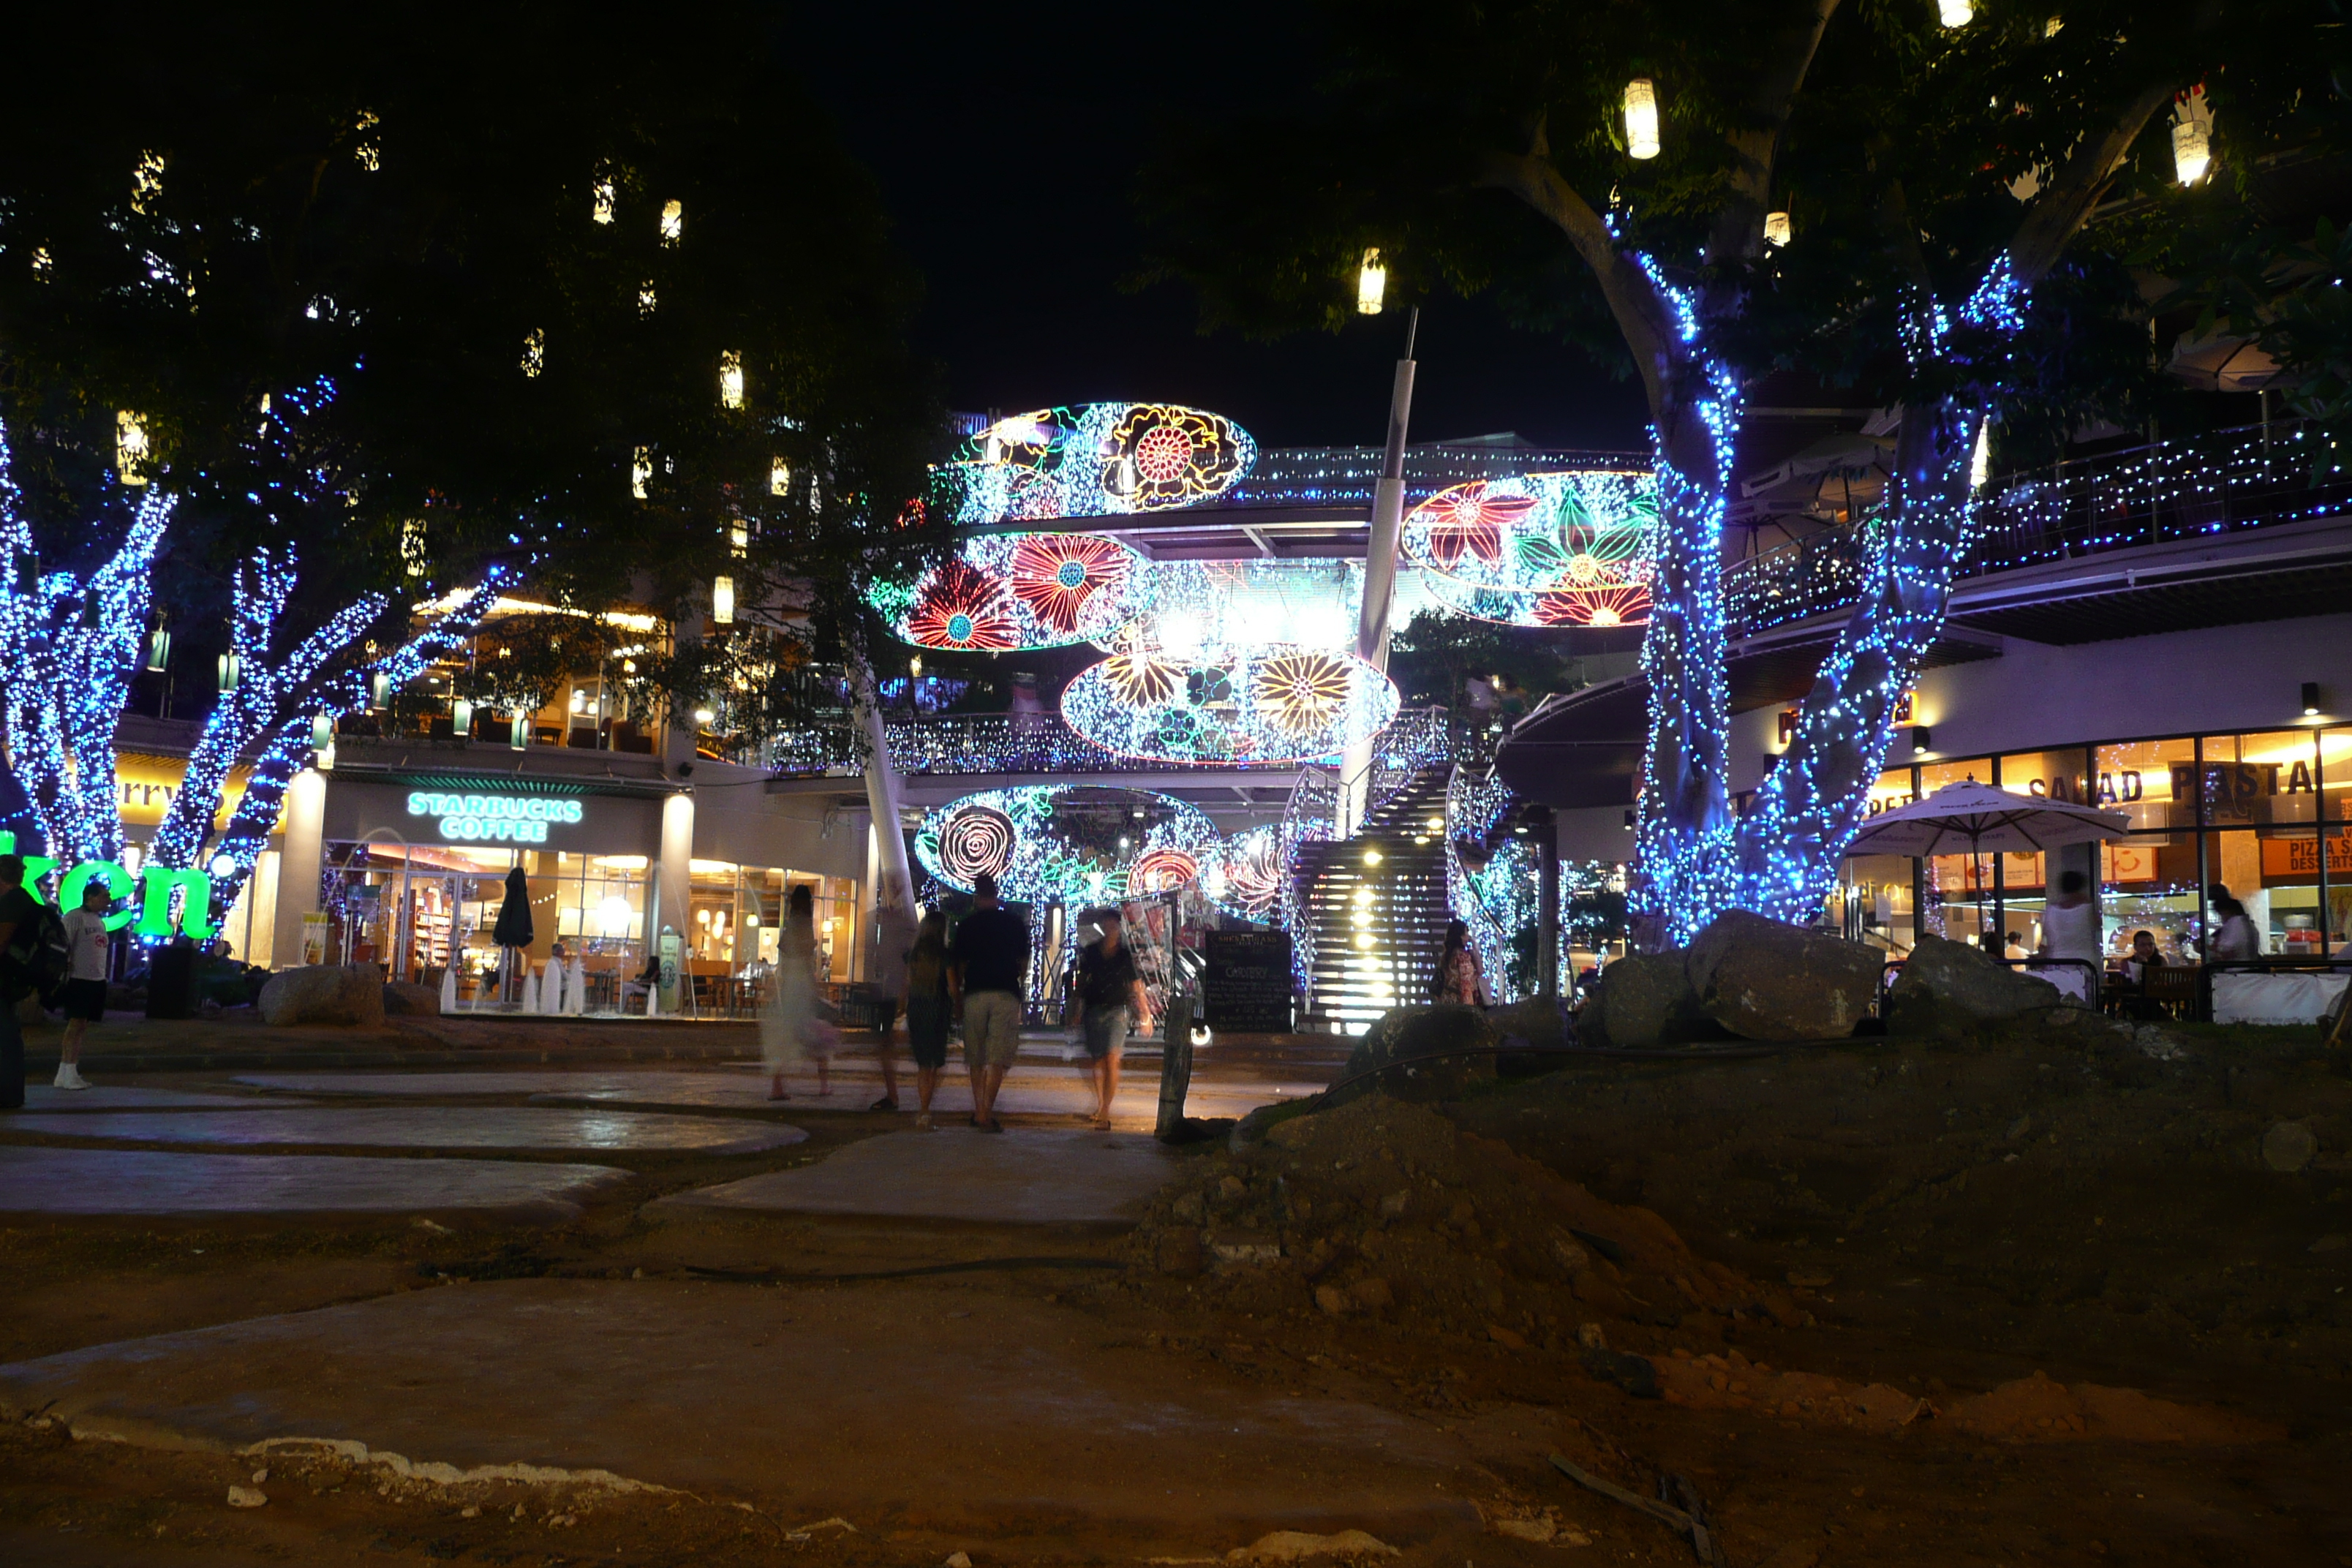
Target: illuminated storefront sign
493 818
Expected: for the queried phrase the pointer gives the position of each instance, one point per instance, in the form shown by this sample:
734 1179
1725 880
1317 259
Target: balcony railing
2220 483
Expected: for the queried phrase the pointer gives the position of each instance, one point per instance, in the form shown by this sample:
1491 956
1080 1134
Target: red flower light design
960 605
1617 605
1162 871
1470 521
1056 574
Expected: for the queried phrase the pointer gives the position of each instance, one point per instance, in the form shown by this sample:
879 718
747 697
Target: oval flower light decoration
1010 591
1275 704
1094 460
1068 842
1558 550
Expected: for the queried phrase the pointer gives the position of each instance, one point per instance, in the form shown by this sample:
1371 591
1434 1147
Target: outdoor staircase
1378 925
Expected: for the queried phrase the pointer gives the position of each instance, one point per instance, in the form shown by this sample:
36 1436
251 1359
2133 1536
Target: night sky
1006 141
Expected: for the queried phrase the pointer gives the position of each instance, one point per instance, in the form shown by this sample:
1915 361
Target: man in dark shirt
20 924
1110 1002
988 973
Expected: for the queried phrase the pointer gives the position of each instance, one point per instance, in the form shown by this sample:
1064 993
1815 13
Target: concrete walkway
424 1126
961 1175
153 1183
129 1097
946 1409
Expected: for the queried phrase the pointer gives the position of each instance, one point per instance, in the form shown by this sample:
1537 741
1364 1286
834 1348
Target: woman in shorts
84 992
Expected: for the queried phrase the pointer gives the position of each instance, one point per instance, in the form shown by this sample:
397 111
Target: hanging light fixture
130 447
780 476
2192 139
159 649
739 542
461 718
379 690
519 732
731 380
1776 228
1640 118
602 212
322 742
673 222
915 667
641 468
1371 283
1955 13
229 668
645 298
534 352
1980 460
722 601
146 180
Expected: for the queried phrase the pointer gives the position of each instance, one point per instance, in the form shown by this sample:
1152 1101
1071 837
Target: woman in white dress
792 1025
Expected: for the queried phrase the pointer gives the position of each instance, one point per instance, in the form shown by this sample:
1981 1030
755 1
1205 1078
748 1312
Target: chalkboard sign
1246 987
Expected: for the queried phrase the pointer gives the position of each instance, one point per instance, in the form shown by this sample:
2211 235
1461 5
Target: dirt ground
1876 1302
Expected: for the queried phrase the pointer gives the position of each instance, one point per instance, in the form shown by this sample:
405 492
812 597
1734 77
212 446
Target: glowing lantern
2193 148
379 690
1776 228
534 352
159 650
739 542
228 667
641 468
1955 13
645 298
1372 283
519 732
722 601
365 149
130 447
731 380
673 222
1980 460
603 211
146 180
412 547
1640 118
780 476
461 718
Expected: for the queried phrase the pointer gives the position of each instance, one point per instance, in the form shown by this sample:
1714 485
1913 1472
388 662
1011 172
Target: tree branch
1739 224
2066 202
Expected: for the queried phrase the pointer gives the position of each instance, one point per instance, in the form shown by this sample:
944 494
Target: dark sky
1006 141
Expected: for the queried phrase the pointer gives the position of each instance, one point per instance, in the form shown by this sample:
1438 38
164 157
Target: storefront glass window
2151 782
2335 766
2260 778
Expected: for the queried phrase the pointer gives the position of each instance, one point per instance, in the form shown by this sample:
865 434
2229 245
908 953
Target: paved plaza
153 1183
425 1127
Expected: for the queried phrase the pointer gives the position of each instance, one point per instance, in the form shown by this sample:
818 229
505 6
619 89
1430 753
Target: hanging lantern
1372 283
146 180
645 298
379 690
673 222
722 601
534 352
1776 228
228 666
2193 139
130 447
780 476
731 380
519 732
412 547
1955 13
603 210
159 650
641 468
461 718
1980 460
364 151
1640 118
915 667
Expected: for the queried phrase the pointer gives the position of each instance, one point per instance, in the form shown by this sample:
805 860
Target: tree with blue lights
1923 173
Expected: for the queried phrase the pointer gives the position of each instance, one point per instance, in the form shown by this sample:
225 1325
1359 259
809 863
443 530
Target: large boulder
1642 1003
1457 1042
1951 989
1764 980
405 998
324 993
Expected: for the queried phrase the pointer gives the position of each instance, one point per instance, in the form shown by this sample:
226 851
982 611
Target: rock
1373 1293
1765 980
1642 1002
1506 1338
1589 1336
1242 1246
1334 1300
324 993
1179 1252
1394 1205
958 1560
245 1497
2289 1146
1297 1545
1403 1033
1950 989
405 999
1539 1529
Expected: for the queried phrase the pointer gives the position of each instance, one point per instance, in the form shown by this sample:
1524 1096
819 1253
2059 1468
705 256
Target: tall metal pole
1546 828
1380 578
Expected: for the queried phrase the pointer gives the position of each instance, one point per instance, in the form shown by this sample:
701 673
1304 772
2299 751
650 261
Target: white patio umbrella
1980 819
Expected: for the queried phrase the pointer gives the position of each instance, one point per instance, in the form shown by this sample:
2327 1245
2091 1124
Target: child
84 993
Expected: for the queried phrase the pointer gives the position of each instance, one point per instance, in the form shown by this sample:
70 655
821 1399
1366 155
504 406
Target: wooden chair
2173 988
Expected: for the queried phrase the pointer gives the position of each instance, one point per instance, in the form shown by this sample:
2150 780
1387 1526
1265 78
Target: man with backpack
21 922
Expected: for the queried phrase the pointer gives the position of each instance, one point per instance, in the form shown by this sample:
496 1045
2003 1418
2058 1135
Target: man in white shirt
84 993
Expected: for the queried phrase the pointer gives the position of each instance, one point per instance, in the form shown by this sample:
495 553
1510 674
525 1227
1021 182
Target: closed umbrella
513 930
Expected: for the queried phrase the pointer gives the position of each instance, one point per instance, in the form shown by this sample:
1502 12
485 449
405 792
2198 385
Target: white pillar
889 842
672 892
1379 582
304 818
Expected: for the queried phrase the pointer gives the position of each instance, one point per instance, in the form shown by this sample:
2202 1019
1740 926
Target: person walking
791 1025
1110 1003
2234 938
990 976
894 934
84 995
931 1005
1460 979
20 927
